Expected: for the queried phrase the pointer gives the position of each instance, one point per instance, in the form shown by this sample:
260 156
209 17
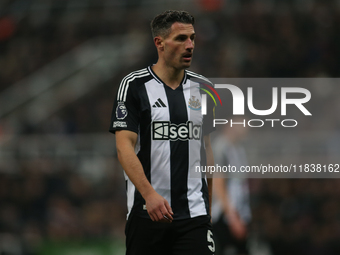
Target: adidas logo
159 104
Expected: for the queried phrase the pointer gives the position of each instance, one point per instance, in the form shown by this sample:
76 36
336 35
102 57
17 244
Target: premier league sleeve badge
121 111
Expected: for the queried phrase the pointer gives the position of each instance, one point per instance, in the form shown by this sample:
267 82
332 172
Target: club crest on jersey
194 104
121 111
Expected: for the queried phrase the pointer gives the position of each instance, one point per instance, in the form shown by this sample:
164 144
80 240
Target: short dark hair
162 23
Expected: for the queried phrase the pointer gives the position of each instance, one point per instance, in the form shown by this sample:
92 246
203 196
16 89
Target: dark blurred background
62 190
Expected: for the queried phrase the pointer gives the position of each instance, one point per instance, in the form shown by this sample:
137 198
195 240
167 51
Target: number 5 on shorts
211 240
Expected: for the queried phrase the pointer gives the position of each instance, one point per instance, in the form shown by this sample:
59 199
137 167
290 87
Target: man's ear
159 42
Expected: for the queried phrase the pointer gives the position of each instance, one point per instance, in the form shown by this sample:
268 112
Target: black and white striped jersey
170 128
227 153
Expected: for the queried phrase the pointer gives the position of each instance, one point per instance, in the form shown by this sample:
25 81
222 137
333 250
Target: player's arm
210 162
237 226
156 205
221 193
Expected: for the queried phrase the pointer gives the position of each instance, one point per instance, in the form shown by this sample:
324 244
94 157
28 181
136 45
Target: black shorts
181 237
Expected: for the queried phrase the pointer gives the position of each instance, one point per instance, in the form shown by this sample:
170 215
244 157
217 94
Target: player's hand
158 208
237 226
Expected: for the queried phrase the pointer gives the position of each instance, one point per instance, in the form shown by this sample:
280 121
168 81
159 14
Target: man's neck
170 76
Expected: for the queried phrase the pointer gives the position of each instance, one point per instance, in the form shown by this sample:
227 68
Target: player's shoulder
129 81
220 144
135 75
197 77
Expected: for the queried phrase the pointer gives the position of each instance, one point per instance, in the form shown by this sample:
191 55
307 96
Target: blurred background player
231 206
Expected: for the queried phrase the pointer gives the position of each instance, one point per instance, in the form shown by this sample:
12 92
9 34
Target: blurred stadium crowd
48 196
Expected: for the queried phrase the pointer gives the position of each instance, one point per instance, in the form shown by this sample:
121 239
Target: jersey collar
183 82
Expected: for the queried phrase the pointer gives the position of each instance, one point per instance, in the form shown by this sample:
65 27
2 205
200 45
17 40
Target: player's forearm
134 169
158 208
220 191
